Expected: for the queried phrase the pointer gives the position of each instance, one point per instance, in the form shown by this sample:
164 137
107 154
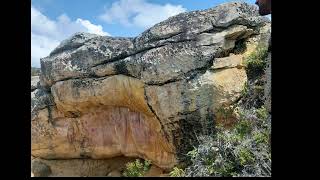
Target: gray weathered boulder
35 82
40 169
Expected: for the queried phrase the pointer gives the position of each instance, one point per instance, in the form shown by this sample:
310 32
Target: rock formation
79 167
100 97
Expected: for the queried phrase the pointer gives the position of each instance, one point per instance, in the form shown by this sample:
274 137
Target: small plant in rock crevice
137 168
177 172
255 63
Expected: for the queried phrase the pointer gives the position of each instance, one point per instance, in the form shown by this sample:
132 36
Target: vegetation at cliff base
137 168
177 172
244 150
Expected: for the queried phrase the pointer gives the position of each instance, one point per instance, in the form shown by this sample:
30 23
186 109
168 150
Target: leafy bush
262 113
193 154
243 127
245 156
137 168
245 90
241 151
260 137
253 94
255 63
211 158
177 172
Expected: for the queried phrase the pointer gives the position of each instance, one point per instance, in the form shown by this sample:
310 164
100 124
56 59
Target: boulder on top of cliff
189 40
147 96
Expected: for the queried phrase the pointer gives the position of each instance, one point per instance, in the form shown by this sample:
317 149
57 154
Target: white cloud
96 29
40 24
41 46
139 13
46 34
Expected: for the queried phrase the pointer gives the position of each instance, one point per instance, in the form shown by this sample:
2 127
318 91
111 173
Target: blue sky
55 20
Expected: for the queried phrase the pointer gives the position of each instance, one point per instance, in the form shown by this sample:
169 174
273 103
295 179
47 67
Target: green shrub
193 154
245 156
243 127
255 63
245 90
137 168
213 157
225 170
235 138
177 172
262 113
241 151
261 137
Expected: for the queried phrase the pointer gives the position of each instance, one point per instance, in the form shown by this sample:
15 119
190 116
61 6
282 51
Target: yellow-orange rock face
106 126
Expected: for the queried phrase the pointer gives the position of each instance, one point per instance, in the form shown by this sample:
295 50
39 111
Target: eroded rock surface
79 167
149 96
35 82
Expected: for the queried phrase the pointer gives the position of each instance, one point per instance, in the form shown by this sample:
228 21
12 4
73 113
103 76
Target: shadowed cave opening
112 167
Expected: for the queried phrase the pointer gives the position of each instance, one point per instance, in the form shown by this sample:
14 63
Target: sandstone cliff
100 97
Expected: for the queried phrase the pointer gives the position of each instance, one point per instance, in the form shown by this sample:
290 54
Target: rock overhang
144 96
